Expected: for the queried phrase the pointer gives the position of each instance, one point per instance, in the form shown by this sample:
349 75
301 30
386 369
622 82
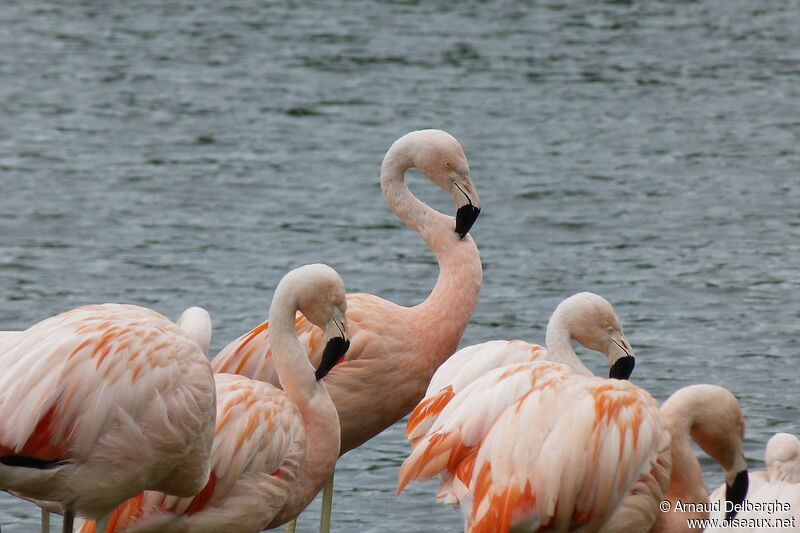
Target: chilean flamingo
584 317
535 446
394 349
774 493
273 449
102 402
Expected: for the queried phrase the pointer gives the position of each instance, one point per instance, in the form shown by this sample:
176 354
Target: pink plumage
101 402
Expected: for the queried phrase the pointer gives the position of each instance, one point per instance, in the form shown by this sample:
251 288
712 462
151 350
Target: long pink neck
296 375
445 313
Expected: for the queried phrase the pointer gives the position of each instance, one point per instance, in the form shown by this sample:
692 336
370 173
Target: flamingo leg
327 504
290 527
45 521
68 520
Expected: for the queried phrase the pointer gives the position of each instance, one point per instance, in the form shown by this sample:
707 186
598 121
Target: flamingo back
566 457
461 369
106 388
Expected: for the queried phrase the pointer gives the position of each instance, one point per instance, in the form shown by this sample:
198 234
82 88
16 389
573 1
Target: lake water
190 153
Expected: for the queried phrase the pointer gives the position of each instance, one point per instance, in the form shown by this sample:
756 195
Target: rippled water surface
190 153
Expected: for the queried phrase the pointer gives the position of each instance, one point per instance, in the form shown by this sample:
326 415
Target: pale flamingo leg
68 519
290 527
327 504
45 521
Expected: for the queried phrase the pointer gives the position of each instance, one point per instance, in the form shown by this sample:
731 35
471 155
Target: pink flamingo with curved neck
394 350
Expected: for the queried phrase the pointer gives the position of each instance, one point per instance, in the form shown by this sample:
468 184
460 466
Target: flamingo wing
461 369
468 416
70 379
568 456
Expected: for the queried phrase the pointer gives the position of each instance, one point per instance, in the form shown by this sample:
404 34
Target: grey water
172 154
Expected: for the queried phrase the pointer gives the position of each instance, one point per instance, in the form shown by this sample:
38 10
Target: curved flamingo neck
295 371
408 208
558 340
445 313
296 375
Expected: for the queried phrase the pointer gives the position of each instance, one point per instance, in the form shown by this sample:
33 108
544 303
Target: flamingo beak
622 367
335 349
736 493
621 353
465 218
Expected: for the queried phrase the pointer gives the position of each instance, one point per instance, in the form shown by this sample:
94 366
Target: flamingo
394 349
273 449
775 494
102 402
711 416
535 446
585 317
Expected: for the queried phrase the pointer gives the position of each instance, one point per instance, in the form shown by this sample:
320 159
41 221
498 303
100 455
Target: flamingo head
321 298
591 321
439 156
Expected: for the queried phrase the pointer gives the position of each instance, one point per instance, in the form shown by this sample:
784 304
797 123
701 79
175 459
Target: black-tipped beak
622 367
465 218
736 493
334 350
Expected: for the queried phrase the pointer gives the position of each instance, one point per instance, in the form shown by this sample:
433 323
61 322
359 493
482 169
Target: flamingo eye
446 163
606 322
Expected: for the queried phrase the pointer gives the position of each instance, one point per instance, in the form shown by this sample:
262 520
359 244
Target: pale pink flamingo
273 449
773 497
394 349
536 446
711 416
585 317
102 402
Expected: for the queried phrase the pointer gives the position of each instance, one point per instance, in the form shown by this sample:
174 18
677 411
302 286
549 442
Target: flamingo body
102 402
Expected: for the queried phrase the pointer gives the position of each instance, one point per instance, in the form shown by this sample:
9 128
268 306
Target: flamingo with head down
273 448
584 317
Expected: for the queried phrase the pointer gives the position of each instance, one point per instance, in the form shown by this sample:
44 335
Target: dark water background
190 153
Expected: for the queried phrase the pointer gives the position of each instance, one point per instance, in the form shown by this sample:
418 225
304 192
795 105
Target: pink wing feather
568 456
461 369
